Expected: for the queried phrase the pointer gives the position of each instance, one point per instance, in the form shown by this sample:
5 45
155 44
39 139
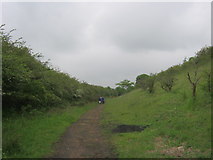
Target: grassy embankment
179 125
33 136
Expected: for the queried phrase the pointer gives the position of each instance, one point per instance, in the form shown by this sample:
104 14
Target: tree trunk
194 91
209 82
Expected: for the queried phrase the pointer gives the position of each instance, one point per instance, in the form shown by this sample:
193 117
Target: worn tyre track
84 139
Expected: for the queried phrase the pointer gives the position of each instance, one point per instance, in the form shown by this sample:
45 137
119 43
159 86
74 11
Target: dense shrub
29 84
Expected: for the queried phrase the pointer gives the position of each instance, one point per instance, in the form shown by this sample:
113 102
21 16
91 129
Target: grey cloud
104 43
164 26
57 26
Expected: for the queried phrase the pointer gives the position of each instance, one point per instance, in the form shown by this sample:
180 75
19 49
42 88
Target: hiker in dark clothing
102 100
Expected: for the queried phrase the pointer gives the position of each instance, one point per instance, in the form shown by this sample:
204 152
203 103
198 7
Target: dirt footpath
84 139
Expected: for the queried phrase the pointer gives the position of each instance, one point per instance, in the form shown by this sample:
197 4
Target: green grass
33 136
175 120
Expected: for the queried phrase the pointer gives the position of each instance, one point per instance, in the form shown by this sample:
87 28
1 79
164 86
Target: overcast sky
104 43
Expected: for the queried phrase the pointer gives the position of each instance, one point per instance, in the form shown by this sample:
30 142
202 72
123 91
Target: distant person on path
102 100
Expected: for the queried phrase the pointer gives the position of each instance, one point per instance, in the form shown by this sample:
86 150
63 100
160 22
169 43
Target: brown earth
162 147
84 139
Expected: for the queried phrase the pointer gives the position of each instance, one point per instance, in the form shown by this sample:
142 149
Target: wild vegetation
178 113
37 100
29 84
124 86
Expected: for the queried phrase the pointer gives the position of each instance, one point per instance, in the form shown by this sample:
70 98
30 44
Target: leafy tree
141 81
146 82
167 83
125 84
120 91
166 79
124 87
150 83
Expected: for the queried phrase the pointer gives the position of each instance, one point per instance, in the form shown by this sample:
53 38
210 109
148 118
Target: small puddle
128 128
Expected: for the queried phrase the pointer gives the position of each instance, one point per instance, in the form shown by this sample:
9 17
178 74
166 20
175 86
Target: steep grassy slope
179 125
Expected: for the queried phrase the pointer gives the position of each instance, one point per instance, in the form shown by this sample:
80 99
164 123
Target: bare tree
193 82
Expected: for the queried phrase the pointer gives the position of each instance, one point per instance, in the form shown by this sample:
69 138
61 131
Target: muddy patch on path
128 128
